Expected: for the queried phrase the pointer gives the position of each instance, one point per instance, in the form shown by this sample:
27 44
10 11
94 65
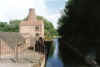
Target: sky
18 9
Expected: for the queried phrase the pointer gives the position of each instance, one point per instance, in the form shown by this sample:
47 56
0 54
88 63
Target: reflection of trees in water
54 60
80 26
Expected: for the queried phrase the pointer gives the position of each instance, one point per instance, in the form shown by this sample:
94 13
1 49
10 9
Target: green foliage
40 17
80 25
2 26
49 30
52 48
65 22
13 26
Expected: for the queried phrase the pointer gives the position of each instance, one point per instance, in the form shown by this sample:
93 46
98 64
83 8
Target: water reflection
55 61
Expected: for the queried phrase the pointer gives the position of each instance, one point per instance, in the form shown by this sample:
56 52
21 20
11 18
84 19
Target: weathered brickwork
32 25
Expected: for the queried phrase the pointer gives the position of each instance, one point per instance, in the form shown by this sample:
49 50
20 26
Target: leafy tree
13 26
80 27
49 29
2 26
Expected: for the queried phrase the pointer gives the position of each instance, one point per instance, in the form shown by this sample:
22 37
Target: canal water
55 60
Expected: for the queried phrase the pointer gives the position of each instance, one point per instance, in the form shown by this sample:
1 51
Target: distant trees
13 26
2 26
50 31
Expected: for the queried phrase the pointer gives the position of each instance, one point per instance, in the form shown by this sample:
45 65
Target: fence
21 53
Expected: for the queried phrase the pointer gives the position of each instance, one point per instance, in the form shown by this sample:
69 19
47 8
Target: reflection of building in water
29 29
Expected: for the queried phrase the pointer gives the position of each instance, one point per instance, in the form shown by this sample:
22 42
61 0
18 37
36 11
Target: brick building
32 25
29 29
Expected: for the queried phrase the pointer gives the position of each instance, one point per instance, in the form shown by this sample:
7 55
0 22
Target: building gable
32 25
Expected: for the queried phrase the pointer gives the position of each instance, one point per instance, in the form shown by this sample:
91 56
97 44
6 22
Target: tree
2 26
80 25
49 29
13 26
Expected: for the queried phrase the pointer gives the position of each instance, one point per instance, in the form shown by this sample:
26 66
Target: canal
54 60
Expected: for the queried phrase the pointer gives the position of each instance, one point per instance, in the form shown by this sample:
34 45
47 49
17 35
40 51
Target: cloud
18 9
54 18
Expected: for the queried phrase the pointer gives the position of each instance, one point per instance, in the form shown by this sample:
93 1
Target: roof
11 38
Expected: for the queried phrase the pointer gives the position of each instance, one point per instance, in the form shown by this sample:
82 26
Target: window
37 34
37 28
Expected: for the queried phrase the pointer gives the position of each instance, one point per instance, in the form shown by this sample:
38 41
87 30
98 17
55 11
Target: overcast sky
18 9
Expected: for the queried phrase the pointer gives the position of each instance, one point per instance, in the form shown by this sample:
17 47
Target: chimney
32 15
